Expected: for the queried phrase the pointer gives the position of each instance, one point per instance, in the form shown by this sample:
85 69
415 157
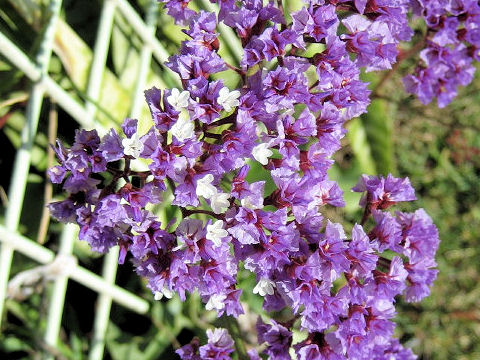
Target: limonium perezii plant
206 138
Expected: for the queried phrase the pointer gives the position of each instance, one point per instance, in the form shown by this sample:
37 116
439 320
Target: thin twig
406 55
3 197
19 99
367 211
163 329
212 136
50 350
384 262
187 212
236 69
365 216
230 119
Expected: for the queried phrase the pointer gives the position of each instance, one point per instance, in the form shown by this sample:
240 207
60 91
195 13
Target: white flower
164 292
184 128
247 203
261 153
264 287
288 112
178 99
216 302
228 99
132 146
215 232
219 202
219 337
205 187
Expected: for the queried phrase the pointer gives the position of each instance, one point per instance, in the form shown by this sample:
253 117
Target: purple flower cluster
219 347
452 43
208 139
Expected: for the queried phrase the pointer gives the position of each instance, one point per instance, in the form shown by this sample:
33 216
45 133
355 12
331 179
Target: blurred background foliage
439 149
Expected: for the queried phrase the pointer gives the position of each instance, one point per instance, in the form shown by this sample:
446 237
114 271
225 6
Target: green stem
188 212
366 214
234 329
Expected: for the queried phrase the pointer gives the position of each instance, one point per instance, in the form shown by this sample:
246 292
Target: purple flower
253 354
387 234
361 253
111 146
446 62
56 174
419 235
277 337
64 211
392 350
190 351
332 250
388 285
220 345
322 23
384 192
178 9
319 346
322 312
421 276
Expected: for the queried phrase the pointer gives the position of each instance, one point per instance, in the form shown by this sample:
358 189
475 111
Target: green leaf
259 173
451 170
12 344
175 307
378 124
78 347
76 57
357 136
170 33
157 345
13 129
122 346
346 179
247 281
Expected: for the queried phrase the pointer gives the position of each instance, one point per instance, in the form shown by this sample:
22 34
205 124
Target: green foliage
361 147
378 123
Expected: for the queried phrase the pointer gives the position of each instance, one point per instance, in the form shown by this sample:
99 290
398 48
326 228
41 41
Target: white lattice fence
63 264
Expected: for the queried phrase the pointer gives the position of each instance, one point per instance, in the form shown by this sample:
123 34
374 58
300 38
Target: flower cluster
452 43
219 347
283 123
